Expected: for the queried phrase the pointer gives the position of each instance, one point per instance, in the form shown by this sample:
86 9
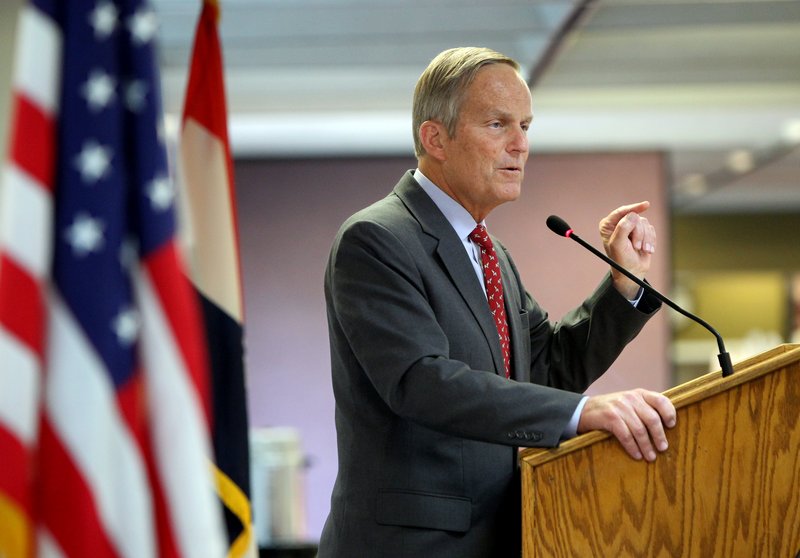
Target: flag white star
135 93
126 326
85 235
143 26
99 90
161 193
103 19
93 162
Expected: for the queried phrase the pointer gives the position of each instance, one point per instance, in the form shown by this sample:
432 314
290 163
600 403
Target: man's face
485 159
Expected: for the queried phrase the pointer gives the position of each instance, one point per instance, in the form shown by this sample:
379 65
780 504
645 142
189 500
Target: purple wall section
289 212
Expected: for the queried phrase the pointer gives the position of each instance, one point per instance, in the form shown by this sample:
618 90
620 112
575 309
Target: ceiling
715 84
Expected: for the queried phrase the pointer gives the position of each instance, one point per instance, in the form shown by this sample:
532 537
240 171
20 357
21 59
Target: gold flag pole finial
214 5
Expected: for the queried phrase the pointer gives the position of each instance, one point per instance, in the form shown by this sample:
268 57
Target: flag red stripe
205 89
132 406
176 297
32 141
16 478
68 509
21 305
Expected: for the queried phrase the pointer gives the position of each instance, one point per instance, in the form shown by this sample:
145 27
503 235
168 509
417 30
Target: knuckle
653 421
655 428
639 431
631 397
623 435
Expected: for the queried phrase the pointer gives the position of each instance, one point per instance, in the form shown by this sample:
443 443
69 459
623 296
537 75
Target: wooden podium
729 484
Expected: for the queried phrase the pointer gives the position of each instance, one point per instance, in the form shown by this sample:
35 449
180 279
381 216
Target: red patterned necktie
494 290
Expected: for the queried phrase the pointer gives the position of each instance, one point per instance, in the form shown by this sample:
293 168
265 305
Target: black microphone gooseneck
561 228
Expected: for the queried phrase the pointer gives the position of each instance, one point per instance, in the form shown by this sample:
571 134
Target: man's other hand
637 418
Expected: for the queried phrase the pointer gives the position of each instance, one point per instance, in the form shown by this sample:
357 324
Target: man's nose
518 141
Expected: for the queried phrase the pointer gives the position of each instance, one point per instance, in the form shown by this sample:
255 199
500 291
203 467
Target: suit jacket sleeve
572 353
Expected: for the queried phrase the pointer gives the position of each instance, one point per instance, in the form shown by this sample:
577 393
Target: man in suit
433 392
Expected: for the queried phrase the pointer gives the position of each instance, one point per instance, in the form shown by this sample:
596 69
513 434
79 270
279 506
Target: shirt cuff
571 429
638 298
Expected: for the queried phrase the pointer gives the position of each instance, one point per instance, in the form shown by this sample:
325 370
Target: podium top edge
682 396
744 371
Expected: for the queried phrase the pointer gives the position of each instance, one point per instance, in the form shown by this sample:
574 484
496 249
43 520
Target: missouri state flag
212 238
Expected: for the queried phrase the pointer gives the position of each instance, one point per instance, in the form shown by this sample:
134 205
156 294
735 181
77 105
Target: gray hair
440 89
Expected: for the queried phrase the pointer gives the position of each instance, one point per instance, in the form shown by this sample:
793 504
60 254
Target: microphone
561 228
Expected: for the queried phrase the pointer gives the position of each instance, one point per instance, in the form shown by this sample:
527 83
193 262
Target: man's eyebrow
504 115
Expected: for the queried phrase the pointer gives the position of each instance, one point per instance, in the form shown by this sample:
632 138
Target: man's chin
512 191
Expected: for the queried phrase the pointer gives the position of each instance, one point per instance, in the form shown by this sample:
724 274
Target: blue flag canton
114 199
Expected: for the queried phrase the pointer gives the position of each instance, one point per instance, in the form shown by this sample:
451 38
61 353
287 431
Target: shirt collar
458 217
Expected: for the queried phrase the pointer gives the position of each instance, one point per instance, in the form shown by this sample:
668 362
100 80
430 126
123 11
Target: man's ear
434 138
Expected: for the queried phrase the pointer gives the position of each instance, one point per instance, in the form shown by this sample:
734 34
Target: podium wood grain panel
729 485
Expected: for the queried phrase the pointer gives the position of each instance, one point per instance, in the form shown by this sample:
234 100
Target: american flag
104 403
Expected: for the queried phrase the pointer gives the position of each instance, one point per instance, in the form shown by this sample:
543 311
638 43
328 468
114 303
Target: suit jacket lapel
454 259
513 302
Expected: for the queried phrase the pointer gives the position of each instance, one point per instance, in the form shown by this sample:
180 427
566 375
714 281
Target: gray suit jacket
427 428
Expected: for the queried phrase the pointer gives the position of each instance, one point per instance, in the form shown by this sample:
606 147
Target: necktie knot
480 236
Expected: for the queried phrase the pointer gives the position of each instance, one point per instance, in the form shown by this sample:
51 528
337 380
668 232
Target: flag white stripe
81 403
38 59
47 547
26 235
215 267
20 382
180 440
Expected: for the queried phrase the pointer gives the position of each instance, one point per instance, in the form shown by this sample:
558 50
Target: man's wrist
624 286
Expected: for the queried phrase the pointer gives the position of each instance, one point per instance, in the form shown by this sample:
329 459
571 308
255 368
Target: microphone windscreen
558 225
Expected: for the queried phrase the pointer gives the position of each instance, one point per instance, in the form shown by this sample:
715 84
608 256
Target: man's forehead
500 94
